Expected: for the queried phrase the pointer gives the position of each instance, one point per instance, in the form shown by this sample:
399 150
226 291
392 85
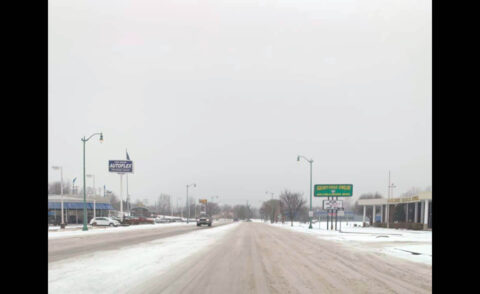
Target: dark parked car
145 220
136 220
131 220
204 219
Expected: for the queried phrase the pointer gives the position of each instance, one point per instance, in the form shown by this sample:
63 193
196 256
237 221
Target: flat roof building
73 208
409 205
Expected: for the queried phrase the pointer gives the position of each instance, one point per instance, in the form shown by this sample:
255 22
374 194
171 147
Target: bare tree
227 211
212 208
163 204
240 211
54 188
271 209
292 203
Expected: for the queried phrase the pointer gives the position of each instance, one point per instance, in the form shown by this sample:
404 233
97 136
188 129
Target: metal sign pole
121 196
127 199
328 215
336 210
340 225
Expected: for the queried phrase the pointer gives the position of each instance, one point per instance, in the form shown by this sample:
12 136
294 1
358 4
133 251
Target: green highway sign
333 190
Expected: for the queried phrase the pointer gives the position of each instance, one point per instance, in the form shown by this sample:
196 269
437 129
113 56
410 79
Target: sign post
341 213
333 205
204 202
337 190
121 167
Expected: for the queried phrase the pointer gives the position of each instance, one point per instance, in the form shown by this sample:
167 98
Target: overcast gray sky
225 94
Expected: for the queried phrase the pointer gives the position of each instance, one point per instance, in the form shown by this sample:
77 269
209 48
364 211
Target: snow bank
106 230
408 244
115 271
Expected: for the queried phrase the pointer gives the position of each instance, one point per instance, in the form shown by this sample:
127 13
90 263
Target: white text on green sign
333 190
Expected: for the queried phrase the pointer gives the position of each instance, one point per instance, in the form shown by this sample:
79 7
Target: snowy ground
116 271
105 229
408 244
68 227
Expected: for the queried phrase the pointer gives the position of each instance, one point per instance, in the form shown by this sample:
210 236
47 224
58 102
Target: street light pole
310 188
390 194
62 225
188 204
84 181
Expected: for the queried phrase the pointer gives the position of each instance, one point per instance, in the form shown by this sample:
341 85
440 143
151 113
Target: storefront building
73 209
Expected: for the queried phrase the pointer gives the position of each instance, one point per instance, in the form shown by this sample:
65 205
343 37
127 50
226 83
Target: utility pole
84 140
390 194
310 212
188 204
128 196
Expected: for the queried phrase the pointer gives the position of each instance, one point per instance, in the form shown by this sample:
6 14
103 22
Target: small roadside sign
332 204
310 213
340 213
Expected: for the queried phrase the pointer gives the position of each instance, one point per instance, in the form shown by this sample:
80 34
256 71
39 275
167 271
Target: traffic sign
204 201
336 190
340 213
332 204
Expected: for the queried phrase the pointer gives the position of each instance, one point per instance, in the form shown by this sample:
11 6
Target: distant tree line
290 206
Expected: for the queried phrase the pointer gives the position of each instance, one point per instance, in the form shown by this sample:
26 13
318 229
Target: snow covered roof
73 198
383 201
79 205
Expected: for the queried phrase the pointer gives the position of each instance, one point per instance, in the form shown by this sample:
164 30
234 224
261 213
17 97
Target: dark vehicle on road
204 219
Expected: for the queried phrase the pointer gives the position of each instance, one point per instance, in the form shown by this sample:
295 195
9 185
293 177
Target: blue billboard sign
120 166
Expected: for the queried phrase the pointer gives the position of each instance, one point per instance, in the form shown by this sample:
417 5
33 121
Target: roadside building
407 212
73 208
140 211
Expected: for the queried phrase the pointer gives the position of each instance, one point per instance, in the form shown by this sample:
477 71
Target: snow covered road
245 257
116 271
62 245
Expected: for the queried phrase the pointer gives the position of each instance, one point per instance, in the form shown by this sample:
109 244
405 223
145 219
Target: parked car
136 220
146 220
162 220
131 220
104 221
118 219
204 219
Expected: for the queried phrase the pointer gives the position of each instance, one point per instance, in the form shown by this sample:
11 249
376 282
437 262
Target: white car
104 221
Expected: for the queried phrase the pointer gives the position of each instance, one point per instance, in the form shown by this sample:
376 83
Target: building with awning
417 210
73 208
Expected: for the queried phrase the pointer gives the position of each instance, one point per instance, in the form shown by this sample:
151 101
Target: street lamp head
55 167
101 137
